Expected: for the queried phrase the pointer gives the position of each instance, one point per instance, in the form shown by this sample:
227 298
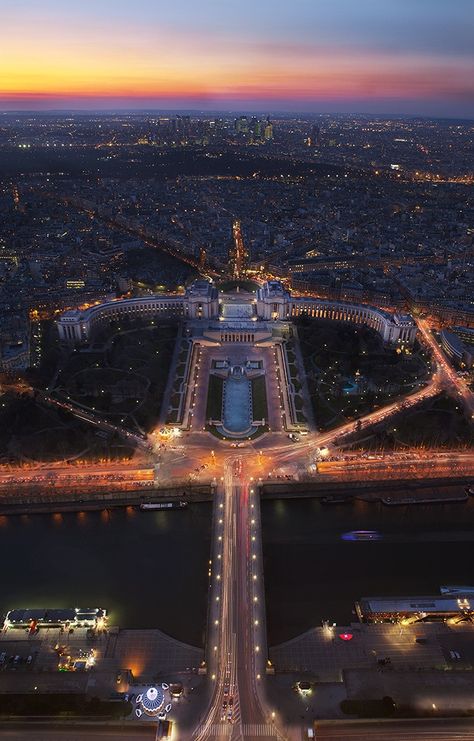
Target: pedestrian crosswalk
245 731
217 729
261 730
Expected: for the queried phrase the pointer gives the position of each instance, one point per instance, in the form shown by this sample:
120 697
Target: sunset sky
392 56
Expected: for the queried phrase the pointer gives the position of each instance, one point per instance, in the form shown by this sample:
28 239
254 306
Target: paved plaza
323 654
420 674
236 354
145 653
150 652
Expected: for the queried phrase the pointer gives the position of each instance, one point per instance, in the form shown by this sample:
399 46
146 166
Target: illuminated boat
361 535
456 589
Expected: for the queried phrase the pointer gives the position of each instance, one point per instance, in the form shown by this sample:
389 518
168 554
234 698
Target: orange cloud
41 60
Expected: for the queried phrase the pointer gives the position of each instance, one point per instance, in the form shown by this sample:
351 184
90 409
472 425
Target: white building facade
201 301
275 302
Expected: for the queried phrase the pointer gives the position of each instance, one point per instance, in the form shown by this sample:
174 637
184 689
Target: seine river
149 569
312 574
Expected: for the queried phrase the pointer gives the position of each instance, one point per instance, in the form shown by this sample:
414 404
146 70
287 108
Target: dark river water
149 569
311 574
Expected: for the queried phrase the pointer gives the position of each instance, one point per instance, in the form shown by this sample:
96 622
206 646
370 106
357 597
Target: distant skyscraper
314 139
183 126
242 125
256 127
268 132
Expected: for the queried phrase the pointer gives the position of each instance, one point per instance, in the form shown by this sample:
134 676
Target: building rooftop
202 288
403 320
52 616
429 604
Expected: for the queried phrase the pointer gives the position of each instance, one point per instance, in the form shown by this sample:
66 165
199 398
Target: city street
398 730
235 709
237 351
448 374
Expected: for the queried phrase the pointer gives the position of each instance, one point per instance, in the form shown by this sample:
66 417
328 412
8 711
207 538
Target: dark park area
350 372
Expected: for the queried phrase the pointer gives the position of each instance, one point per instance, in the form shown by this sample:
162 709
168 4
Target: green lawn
333 352
439 422
259 397
214 398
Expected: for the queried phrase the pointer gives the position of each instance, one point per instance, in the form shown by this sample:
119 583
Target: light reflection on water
115 559
312 574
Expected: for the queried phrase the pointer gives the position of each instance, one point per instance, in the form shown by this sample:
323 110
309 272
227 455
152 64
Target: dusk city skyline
237 370
405 57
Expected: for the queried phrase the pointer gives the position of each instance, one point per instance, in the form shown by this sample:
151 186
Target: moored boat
456 589
147 506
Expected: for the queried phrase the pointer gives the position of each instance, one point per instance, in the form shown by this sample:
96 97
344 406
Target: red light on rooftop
346 636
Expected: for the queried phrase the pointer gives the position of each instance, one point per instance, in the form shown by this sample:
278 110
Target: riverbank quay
404 492
407 491
97 676
21 503
97 663
416 665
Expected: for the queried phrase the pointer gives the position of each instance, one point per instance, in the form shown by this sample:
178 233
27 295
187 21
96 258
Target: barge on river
150 506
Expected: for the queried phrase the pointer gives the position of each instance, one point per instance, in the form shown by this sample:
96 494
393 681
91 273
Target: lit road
193 462
91 417
448 373
318 439
410 730
417 465
239 254
52 479
235 710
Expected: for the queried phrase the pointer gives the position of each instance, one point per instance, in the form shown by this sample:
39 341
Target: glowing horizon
355 55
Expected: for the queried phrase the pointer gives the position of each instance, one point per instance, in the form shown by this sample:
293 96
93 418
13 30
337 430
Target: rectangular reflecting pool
237 404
